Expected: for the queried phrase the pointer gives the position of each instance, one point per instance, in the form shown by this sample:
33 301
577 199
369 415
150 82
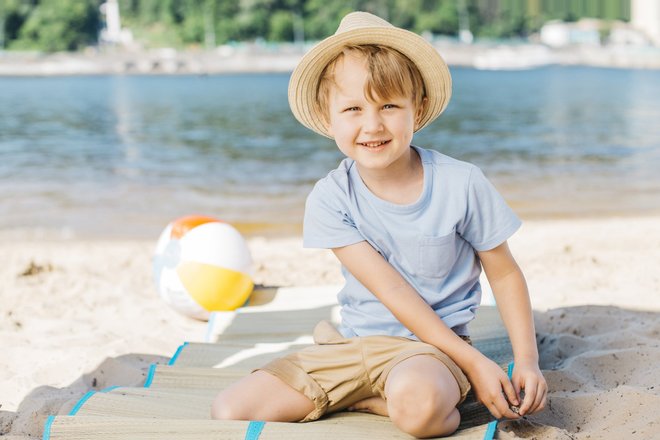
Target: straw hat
363 28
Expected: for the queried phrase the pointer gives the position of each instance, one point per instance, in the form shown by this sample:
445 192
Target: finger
516 386
539 402
510 391
504 409
544 400
494 411
530 397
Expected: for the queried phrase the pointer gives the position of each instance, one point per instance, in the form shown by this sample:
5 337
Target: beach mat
340 426
180 394
187 393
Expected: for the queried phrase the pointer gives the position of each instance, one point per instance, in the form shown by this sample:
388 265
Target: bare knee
422 411
450 423
224 407
261 396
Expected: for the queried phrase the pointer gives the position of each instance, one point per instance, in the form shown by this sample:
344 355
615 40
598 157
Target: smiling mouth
373 144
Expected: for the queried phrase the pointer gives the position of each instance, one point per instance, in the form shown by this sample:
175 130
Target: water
120 156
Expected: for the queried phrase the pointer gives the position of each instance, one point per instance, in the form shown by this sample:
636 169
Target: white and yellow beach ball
202 265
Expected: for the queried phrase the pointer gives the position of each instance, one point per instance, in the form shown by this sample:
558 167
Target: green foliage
51 25
13 14
56 25
440 19
322 17
281 26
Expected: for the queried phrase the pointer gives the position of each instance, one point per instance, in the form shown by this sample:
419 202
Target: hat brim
303 84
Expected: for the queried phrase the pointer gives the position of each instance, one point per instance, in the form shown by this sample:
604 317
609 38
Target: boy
411 228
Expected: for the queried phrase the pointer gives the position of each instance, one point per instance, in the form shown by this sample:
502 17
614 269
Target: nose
373 122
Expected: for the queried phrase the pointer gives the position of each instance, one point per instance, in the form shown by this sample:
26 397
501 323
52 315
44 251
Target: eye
351 109
390 106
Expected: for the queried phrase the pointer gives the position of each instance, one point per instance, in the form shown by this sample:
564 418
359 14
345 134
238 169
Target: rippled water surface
120 156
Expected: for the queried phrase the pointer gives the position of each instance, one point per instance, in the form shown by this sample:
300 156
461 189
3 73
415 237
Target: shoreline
276 231
264 59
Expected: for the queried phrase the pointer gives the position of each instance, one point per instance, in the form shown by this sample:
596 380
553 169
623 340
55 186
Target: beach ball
201 265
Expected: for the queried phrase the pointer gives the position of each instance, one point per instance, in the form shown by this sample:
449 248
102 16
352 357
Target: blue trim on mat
47 426
490 431
254 430
177 353
81 402
107 390
150 376
492 426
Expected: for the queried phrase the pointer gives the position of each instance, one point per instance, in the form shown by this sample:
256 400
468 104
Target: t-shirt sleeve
488 220
327 222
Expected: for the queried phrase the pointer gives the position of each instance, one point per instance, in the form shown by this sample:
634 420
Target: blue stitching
254 430
492 426
177 353
150 376
47 426
81 402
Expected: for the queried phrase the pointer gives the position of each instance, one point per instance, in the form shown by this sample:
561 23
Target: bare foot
372 405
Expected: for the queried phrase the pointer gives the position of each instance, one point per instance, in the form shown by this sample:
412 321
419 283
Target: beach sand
80 315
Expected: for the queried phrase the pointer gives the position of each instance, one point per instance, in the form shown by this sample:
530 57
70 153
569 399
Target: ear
327 126
419 112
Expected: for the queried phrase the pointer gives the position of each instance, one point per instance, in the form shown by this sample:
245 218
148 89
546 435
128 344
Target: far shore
283 58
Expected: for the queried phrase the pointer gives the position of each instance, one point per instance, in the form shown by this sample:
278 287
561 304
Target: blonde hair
390 74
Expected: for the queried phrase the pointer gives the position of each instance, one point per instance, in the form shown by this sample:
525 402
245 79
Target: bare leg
261 396
371 405
422 395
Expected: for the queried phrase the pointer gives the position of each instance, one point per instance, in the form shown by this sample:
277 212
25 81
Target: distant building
557 33
112 33
590 31
645 16
624 34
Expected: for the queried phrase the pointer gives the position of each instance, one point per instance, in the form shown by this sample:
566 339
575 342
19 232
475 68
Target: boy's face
377 134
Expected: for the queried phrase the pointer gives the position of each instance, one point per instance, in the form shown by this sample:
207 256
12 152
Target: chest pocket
436 255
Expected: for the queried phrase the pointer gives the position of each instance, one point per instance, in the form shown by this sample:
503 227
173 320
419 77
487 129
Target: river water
120 156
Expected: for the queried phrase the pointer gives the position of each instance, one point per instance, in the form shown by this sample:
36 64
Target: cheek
344 138
404 125
340 128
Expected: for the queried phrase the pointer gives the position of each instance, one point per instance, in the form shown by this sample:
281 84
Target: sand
80 315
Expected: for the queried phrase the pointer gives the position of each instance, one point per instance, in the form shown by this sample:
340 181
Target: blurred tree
226 28
404 12
56 25
188 15
438 17
281 26
322 16
152 11
71 24
13 14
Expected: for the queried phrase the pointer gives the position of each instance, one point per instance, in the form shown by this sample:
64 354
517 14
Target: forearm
512 297
510 290
417 316
404 302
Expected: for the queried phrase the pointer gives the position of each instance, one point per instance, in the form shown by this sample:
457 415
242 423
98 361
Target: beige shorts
338 372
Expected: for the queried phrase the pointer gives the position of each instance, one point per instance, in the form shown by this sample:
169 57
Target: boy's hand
527 376
493 388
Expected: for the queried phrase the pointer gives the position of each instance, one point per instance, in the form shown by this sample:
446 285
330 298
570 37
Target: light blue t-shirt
431 242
